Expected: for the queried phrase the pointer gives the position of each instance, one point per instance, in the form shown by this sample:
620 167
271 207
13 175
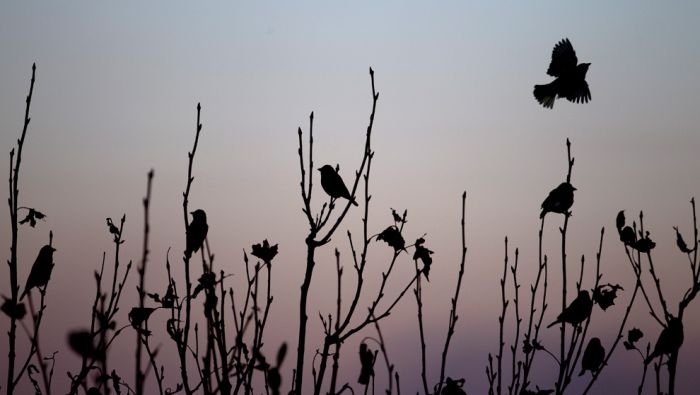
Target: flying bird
41 270
334 185
670 339
559 200
570 82
196 232
577 311
593 356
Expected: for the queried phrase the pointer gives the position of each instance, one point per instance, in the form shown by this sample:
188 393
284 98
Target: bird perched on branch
41 269
577 311
334 185
196 232
593 356
559 200
570 82
670 339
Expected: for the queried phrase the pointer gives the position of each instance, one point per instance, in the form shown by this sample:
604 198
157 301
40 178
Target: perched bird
670 339
334 185
627 236
571 77
453 387
41 270
367 361
577 311
196 232
593 356
559 200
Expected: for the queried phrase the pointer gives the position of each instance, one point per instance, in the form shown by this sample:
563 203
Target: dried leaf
392 236
264 251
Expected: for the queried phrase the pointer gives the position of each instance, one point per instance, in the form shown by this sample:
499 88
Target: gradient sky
116 93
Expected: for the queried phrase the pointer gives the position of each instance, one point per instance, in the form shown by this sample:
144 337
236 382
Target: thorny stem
419 302
542 269
637 287
515 373
501 319
311 240
140 375
13 203
562 344
453 311
184 338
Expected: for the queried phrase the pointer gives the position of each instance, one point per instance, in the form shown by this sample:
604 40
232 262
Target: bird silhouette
670 339
570 82
577 311
593 356
367 362
196 232
453 387
41 270
334 185
559 200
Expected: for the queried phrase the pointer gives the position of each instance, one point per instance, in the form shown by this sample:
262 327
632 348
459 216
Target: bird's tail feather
545 94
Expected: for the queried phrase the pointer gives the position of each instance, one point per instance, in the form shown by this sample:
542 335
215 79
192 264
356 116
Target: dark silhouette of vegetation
223 349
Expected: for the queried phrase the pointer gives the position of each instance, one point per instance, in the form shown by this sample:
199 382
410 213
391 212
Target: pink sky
116 93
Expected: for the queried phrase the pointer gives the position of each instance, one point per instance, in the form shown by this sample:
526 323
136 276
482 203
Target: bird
40 274
570 82
196 232
593 356
577 311
670 339
334 185
559 200
367 362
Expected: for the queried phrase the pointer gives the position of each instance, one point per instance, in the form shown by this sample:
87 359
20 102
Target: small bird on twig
577 311
367 361
41 270
196 232
571 77
559 200
670 339
334 185
593 356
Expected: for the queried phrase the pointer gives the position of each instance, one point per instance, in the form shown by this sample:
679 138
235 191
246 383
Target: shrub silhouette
221 351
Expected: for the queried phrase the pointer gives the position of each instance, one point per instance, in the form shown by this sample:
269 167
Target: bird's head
327 169
47 250
565 186
595 341
584 68
583 294
199 214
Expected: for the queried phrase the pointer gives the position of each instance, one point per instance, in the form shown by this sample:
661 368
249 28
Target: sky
116 94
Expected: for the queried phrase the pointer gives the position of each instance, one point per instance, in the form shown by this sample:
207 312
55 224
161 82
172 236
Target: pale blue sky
117 88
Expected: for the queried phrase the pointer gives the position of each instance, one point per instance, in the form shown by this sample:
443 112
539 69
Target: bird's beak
192 212
53 249
319 169
574 188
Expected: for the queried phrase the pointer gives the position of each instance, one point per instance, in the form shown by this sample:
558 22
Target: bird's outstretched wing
581 94
563 58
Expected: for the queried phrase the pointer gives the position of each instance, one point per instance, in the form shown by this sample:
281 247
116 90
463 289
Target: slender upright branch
313 240
140 376
183 341
453 311
13 263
